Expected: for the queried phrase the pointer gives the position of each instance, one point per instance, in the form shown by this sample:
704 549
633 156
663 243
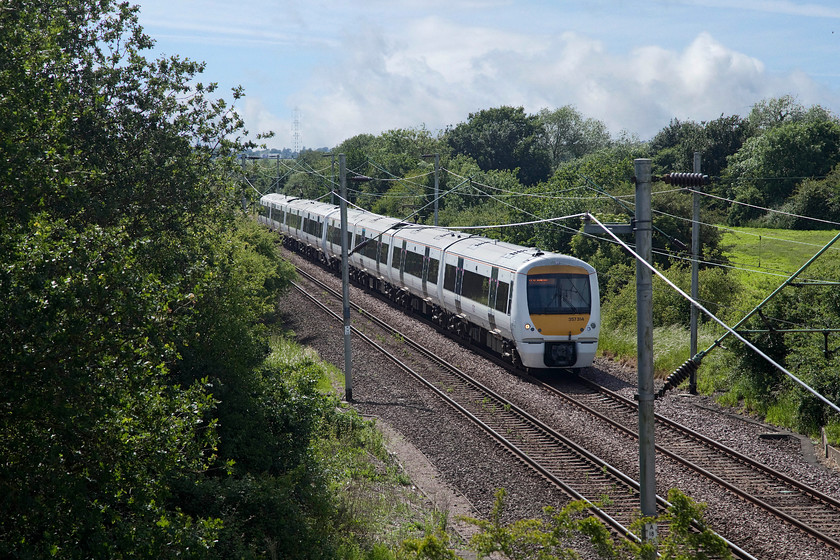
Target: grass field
765 258
762 259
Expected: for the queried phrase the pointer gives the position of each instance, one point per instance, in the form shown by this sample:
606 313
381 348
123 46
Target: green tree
813 198
674 146
568 135
775 111
776 161
503 138
92 432
132 291
724 136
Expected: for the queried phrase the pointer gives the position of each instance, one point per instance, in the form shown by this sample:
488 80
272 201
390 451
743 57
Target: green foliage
431 547
404 198
528 538
485 197
717 290
502 138
688 537
809 356
749 206
777 160
683 541
135 419
568 135
91 430
776 111
394 154
674 146
278 499
813 198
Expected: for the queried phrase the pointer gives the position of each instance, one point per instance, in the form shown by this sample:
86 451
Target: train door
362 253
491 297
424 274
459 283
397 253
402 262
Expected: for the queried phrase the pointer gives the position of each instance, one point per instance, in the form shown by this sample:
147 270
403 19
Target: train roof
485 249
475 247
301 204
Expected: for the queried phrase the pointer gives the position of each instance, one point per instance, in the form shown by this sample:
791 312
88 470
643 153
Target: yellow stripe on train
560 325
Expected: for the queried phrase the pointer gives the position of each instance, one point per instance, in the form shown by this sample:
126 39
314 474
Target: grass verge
379 506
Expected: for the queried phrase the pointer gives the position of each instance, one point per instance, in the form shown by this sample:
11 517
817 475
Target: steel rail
522 455
717 447
500 439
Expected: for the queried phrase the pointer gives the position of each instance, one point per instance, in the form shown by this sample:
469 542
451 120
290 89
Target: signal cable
767 209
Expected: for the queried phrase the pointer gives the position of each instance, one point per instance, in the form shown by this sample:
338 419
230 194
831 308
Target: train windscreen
558 294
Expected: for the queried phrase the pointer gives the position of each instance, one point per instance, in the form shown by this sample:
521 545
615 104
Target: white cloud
434 73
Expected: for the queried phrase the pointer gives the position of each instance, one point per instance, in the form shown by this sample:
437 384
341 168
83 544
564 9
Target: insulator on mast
680 374
686 179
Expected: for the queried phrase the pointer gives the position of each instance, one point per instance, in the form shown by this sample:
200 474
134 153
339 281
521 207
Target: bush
716 287
688 536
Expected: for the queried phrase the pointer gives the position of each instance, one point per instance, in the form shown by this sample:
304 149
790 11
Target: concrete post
644 337
695 275
345 280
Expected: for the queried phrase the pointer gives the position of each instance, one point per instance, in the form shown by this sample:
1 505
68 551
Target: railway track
797 504
583 476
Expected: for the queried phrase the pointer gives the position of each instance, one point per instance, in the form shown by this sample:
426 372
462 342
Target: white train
536 309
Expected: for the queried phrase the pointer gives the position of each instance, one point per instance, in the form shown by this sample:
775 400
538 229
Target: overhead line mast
296 143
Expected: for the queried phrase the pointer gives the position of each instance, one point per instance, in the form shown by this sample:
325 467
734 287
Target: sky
342 68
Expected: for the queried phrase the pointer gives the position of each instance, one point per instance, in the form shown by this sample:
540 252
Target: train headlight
527 326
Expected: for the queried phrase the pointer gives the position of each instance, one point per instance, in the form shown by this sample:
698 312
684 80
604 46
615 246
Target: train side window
396 257
294 221
449 277
383 253
494 285
475 287
311 226
502 297
413 264
371 248
434 267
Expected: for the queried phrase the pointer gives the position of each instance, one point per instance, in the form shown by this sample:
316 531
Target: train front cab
563 317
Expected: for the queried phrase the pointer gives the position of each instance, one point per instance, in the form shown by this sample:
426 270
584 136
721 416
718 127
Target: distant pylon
296 132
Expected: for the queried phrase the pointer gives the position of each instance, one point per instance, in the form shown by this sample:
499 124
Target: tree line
775 167
140 412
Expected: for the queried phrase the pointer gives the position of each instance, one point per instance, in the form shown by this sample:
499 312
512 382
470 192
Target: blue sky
368 66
